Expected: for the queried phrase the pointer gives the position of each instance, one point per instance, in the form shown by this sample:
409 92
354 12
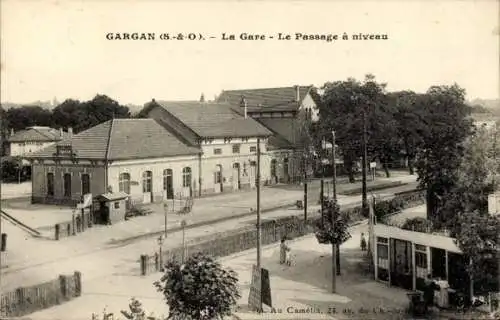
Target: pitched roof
121 139
214 120
277 99
38 134
286 131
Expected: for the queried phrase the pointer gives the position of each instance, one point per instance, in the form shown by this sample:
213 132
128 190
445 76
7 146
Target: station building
181 149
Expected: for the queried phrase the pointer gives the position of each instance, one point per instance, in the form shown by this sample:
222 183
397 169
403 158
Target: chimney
70 132
243 103
202 98
297 93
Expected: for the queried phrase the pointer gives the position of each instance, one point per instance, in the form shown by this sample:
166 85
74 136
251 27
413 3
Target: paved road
51 258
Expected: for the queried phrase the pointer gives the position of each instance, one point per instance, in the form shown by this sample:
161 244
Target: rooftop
214 120
38 134
122 139
277 99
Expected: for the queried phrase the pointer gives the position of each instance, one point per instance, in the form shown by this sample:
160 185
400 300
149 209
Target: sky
58 49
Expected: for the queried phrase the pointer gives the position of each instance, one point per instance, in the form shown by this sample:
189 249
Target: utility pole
1 182
258 206
334 187
334 249
364 158
305 188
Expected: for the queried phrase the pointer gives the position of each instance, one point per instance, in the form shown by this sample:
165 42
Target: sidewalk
294 290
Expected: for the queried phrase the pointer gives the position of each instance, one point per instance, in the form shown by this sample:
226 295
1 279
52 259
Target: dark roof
276 99
214 120
286 132
39 134
122 139
113 196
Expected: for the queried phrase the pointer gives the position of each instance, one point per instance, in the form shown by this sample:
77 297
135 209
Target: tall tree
343 103
442 145
410 127
27 116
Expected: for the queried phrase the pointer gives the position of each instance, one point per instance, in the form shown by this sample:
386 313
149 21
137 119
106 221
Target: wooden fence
27 300
272 231
79 223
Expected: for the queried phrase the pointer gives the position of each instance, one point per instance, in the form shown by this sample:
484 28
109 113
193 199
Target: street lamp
165 210
183 226
160 244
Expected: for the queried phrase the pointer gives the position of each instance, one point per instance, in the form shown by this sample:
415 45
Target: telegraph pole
334 187
258 206
364 199
305 188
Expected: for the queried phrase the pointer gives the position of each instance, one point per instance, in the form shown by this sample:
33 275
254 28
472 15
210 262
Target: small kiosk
112 207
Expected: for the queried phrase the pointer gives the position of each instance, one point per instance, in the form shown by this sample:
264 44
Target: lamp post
160 244
165 210
183 226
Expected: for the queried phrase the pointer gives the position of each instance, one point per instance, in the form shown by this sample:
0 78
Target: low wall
26 300
272 231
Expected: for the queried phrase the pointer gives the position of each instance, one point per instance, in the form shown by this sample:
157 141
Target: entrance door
168 183
286 176
253 173
147 186
274 169
236 176
218 179
401 267
187 182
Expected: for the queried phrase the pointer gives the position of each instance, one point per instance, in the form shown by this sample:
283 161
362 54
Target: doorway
218 185
147 186
401 266
236 176
438 263
286 176
168 183
253 174
274 169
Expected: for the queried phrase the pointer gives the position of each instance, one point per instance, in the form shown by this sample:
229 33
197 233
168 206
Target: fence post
68 229
73 222
57 230
275 235
20 305
78 283
83 220
143 264
4 242
62 285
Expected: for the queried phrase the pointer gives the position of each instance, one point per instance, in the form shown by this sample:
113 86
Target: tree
200 289
477 237
84 115
27 116
409 125
342 107
445 117
333 228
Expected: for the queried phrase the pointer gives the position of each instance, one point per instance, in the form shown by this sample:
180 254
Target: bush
199 289
417 224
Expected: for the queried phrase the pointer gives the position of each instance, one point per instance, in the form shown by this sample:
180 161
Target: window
124 183
217 151
236 148
85 183
167 179
382 240
186 177
67 184
382 251
147 181
253 149
117 205
218 174
50 184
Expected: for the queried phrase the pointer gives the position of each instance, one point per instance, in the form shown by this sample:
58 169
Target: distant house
33 139
283 111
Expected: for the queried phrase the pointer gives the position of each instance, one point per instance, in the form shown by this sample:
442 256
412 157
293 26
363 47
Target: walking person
363 242
430 287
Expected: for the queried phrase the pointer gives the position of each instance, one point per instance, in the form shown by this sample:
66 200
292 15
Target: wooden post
78 283
57 231
143 264
4 242
446 262
73 223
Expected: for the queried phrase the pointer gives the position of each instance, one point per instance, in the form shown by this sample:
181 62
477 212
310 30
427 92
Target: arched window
124 183
167 178
147 181
186 177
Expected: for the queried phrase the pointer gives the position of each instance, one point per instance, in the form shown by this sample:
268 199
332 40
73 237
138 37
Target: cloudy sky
59 48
